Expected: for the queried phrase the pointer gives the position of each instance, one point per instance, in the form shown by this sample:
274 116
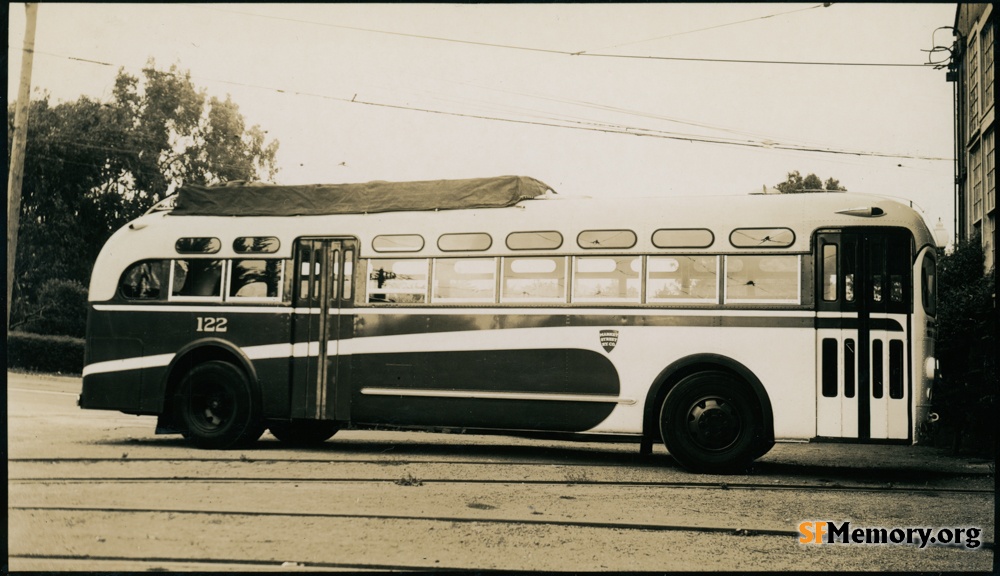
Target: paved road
98 491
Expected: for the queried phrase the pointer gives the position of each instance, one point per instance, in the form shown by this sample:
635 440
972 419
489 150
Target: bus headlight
929 367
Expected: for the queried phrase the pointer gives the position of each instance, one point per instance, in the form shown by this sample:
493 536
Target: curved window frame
213 246
536 233
383 249
162 277
711 238
759 245
460 237
588 246
268 249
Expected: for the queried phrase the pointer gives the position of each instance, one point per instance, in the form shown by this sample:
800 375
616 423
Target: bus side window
397 281
531 279
255 278
607 279
465 280
682 278
144 280
197 278
762 279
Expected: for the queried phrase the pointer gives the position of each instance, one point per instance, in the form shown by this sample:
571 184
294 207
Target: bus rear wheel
303 432
216 408
709 423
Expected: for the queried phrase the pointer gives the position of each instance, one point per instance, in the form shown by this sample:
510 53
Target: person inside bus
204 278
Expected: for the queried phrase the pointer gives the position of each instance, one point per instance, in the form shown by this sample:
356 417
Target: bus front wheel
709 423
216 408
303 432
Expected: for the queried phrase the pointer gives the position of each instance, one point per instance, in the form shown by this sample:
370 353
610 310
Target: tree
91 167
796 184
966 347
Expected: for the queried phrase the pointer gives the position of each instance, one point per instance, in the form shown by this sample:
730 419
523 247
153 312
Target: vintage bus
715 324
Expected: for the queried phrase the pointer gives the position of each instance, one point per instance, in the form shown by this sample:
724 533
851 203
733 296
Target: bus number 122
212 324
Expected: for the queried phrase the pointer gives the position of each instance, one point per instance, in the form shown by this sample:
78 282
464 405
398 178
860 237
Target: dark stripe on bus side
552 371
368 325
887 324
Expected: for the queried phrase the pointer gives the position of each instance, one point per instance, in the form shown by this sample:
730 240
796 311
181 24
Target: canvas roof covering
240 199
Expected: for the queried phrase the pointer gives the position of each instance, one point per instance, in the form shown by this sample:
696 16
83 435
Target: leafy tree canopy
91 167
797 184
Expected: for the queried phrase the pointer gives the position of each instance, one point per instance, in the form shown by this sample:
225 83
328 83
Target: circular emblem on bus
609 338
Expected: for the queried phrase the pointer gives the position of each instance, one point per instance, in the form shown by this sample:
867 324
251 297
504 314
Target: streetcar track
575 482
244 562
637 526
452 519
760 469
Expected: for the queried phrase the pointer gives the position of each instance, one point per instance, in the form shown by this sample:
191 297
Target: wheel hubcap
213 408
713 423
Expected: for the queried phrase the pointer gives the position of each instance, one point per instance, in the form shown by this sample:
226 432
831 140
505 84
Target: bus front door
323 298
863 296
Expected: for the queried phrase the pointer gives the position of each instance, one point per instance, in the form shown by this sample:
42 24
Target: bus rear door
864 300
324 297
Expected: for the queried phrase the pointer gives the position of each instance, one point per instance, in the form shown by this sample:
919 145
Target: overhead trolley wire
672 35
572 53
587 126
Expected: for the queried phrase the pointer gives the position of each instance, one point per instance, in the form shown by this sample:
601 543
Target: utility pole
16 171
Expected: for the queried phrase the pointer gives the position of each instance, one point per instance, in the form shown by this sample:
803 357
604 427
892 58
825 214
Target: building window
991 183
976 175
987 37
973 83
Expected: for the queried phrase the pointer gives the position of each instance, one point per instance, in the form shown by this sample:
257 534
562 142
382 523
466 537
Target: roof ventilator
864 211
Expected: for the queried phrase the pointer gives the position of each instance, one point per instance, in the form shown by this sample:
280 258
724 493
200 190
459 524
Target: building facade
972 70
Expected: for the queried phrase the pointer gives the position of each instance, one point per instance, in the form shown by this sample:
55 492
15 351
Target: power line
736 61
708 28
603 128
567 52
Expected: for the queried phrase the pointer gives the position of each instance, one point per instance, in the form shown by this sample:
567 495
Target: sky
592 99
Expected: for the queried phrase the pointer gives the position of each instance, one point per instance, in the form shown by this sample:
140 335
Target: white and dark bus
715 324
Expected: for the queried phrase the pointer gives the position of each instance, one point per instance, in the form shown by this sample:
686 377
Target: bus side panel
129 353
112 391
432 386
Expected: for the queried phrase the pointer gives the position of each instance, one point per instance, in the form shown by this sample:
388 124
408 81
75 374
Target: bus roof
241 199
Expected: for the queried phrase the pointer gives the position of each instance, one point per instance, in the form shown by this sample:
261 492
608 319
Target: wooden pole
16 171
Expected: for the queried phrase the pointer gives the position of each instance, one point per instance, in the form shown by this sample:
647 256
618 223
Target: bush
42 353
965 396
61 310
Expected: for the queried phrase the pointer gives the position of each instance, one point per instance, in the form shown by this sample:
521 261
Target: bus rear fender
191 355
680 369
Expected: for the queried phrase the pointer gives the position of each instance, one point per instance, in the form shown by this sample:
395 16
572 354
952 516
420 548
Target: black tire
710 423
216 407
303 432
